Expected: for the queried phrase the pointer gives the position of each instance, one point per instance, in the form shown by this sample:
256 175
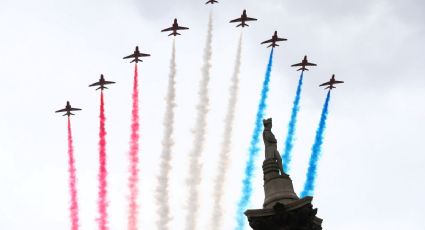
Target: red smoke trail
134 160
73 209
102 199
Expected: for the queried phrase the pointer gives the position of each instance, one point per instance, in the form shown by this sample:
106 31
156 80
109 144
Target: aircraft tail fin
136 60
174 33
239 25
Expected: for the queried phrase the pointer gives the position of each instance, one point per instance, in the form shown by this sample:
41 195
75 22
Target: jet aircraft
303 64
101 83
330 84
67 110
211 1
274 40
174 28
244 18
136 54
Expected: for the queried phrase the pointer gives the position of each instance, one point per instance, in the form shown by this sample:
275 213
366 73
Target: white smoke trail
223 164
194 176
162 195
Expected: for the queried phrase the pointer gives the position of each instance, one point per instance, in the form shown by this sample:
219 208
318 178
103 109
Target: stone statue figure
270 143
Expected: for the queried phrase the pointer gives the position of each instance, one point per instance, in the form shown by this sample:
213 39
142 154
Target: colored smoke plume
290 136
162 190
134 158
253 150
223 164
102 199
316 151
194 175
73 209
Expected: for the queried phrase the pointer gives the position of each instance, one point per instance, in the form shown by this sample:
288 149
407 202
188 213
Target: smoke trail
316 151
290 136
134 159
223 163
253 149
162 196
72 181
194 176
102 199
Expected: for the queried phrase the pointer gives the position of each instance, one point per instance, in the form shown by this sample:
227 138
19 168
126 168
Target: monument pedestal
277 188
282 209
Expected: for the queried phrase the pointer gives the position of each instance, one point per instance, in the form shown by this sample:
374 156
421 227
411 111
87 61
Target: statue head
267 123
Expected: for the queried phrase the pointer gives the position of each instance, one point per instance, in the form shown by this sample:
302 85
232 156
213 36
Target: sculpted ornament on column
270 143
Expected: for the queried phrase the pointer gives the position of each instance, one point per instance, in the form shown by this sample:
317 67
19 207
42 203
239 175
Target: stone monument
282 209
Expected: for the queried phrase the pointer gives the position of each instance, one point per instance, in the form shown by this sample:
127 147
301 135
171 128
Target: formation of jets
101 83
174 28
137 55
303 64
243 19
330 84
68 108
274 40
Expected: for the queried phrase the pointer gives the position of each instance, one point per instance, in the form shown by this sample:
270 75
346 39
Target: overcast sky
371 174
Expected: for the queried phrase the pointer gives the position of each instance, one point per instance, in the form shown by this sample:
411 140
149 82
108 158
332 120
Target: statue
270 143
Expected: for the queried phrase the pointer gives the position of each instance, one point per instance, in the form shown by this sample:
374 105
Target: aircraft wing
74 109
182 28
236 20
168 29
130 56
61 110
109 82
144 55
338 82
268 41
299 64
326 83
310 64
281 39
250 19
94 84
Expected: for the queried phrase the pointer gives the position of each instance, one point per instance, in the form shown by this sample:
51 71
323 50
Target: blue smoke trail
253 149
289 143
316 151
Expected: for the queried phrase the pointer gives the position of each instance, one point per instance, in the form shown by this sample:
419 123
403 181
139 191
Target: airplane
331 83
67 110
101 83
274 40
174 28
136 55
303 64
212 2
243 19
